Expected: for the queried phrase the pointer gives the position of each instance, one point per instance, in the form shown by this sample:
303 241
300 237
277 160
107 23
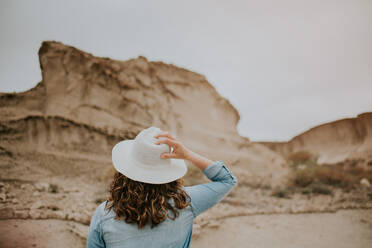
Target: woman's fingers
172 142
165 134
166 141
168 155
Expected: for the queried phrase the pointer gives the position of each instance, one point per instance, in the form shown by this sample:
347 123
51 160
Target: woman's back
106 231
169 233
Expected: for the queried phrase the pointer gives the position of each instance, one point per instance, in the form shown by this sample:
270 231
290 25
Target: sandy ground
18 233
343 229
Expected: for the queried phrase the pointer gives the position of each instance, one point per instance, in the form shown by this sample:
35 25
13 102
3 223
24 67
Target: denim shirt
105 231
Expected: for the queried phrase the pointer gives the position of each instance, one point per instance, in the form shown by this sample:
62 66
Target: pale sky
286 65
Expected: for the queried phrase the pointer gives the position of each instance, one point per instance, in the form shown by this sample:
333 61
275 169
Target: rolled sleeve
218 171
204 196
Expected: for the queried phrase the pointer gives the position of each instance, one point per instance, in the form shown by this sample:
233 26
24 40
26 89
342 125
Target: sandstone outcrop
56 138
85 104
333 142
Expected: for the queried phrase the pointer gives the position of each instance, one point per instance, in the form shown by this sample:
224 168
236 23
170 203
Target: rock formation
333 142
61 132
56 141
85 104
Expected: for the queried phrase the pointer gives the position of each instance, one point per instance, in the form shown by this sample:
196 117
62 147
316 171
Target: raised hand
179 150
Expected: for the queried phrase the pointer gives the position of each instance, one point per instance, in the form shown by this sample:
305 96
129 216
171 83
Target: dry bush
360 172
311 178
321 189
283 193
317 188
332 175
303 178
53 188
301 158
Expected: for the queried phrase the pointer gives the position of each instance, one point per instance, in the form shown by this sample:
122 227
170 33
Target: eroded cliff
333 142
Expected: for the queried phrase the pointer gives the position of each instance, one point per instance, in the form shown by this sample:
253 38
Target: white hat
139 159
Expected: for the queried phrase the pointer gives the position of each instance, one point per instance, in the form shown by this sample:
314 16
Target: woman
148 206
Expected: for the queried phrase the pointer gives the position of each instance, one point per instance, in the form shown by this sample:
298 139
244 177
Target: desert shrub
282 193
321 189
360 172
53 188
332 175
315 174
303 177
306 191
301 157
316 188
53 207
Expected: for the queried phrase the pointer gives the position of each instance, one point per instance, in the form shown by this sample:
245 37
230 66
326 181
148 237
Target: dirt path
343 229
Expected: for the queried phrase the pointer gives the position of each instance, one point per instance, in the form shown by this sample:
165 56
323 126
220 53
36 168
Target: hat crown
145 151
139 159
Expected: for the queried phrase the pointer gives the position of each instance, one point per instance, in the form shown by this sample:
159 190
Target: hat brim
124 163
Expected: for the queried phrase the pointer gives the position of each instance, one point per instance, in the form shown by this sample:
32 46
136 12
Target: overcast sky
286 65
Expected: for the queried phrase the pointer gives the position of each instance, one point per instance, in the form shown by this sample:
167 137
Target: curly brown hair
142 203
